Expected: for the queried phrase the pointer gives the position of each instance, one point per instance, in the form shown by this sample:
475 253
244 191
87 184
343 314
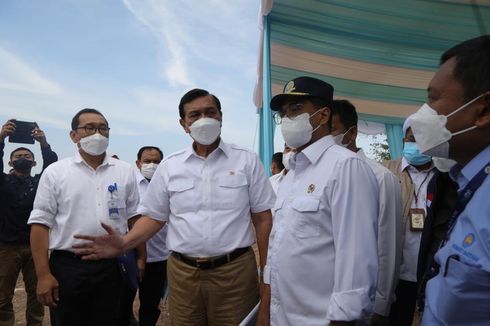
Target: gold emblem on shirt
232 172
311 188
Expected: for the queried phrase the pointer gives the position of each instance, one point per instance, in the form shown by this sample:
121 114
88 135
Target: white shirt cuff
349 305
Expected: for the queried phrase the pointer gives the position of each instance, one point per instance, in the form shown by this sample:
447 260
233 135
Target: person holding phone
17 192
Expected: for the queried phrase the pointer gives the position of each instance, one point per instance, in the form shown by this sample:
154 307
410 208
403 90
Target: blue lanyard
463 199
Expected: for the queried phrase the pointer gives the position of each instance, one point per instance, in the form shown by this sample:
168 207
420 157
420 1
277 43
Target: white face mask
95 144
338 139
205 131
148 169
285 159
297 131
430 132
443 164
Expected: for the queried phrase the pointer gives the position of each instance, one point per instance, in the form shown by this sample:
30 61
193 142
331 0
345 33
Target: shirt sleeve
155 203
354 205
45 204
260 191
49 156
389 242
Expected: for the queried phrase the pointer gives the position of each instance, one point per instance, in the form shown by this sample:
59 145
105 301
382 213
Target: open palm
109 245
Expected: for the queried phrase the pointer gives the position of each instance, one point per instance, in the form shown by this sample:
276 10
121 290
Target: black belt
65 254
210 262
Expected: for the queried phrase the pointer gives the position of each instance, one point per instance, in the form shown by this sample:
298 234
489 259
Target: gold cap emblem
289 87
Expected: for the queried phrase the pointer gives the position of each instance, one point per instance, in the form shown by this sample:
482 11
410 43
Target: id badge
417 217
113 209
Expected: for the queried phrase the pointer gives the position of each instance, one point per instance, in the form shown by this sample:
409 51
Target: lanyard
464 198
416 193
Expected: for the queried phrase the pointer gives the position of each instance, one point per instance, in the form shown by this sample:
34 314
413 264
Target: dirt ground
19 303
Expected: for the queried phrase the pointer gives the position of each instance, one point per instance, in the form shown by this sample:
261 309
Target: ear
74 137
186 129
138 164
10 164
325 116
34 163
483 120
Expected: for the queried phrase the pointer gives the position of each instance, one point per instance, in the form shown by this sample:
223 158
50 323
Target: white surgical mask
285 159
297 131
430 132
338 139
95 144
443 164
205 131
148 169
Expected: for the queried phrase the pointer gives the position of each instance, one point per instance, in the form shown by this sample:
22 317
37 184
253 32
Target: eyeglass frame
99 129
279 115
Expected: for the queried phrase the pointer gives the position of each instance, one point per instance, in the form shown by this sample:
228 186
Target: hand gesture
7 129
109 245
47 290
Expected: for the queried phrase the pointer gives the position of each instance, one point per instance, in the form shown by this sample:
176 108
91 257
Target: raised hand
109 245
7 129
39 135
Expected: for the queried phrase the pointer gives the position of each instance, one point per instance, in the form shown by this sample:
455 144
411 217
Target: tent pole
266 130
394 135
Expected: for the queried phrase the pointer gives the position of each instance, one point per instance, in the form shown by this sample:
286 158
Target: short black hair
21 149
192 95
147 148
346 112
472 67
277 158
76 119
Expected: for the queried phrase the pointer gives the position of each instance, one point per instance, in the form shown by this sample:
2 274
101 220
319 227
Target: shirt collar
140 178
107 159
360 153
463 175
313 152
222 147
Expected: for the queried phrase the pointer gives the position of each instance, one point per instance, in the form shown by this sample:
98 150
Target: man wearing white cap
414 171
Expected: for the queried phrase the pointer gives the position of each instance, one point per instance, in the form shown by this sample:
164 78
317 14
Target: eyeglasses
289 110
89 129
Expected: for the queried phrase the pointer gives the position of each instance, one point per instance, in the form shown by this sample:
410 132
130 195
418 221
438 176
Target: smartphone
23 131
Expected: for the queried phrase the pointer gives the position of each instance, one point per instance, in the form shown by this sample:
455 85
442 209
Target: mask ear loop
461 108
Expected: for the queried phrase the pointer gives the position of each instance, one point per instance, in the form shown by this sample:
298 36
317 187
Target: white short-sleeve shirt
73 198
207 201
156 247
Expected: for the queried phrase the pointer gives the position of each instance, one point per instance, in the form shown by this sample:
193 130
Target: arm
48 155
389 246
47 285
140 253
7 129
354 210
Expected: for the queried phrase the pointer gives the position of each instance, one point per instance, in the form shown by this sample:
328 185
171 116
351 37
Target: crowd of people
341 239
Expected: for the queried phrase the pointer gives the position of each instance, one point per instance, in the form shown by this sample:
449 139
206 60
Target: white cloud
17 75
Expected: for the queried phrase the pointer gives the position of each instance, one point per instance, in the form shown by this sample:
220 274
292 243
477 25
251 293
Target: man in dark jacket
17 192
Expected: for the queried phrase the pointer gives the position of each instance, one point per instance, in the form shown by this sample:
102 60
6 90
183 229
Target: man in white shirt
344 130
212 195
414 170
74 196
152 286
322 263
276 179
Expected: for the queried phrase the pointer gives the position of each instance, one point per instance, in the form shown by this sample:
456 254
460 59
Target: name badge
417 217
113 209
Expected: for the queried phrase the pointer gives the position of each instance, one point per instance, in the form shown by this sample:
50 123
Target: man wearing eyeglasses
74 196
322 262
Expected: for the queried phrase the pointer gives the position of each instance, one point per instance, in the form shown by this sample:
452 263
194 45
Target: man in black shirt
17 192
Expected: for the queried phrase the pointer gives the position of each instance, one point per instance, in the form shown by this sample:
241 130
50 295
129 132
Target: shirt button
98 204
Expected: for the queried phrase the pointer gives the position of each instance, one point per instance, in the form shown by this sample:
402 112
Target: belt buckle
200 261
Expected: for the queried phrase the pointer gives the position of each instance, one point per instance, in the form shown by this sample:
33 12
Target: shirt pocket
182 196
306 209
232 192
463 288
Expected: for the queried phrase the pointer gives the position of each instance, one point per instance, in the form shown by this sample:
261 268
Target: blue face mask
412 154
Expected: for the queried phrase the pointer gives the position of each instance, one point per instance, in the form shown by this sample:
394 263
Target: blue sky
132 60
